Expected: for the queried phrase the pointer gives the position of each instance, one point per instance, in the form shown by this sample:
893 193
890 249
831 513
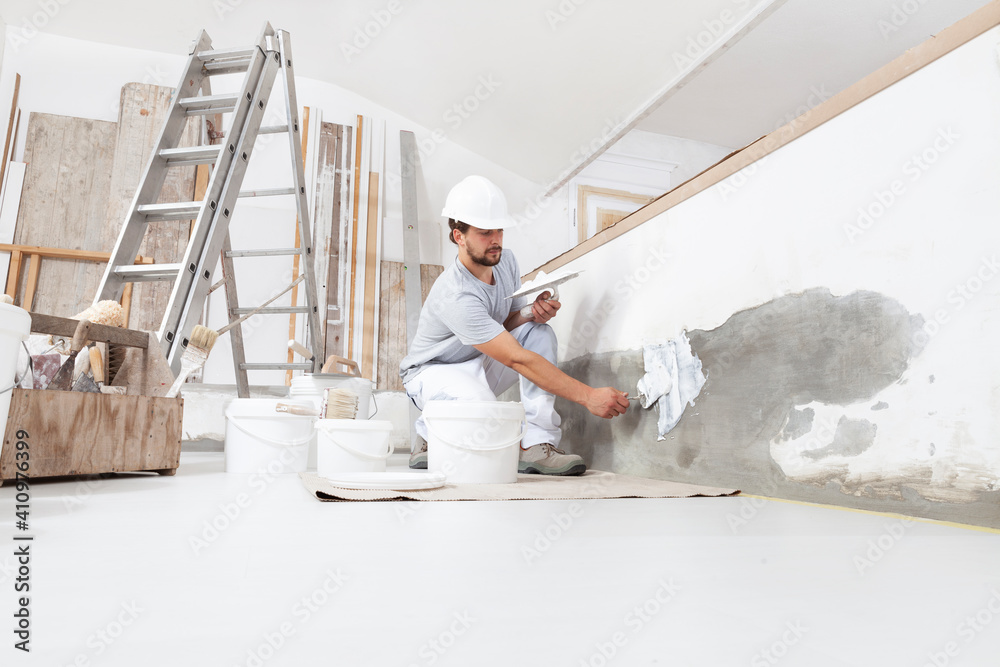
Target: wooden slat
65 326
31 286
13 274
372 255
359 135
64 204
391 292
10 127
141 117
980 21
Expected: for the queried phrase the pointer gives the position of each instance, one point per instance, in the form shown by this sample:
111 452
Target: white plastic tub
474 442
351 446
258 439
15 326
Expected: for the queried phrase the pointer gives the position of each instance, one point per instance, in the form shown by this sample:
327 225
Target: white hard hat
477 201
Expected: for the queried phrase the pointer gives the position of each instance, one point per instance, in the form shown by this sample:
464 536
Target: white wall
899 195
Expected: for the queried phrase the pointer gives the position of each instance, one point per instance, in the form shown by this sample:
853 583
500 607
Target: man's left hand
544 308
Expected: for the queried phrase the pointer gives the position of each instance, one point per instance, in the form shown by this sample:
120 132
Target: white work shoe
545 459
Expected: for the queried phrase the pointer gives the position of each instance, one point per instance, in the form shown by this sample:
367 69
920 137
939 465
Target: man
472 343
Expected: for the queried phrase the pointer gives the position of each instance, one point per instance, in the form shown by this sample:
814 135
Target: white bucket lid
353 425
15 320
474 410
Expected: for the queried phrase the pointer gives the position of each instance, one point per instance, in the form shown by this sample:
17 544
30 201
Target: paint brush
199 345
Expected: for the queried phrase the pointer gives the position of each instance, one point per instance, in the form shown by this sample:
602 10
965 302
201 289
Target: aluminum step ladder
192 277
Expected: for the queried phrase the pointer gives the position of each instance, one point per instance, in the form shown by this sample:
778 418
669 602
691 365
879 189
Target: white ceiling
564 73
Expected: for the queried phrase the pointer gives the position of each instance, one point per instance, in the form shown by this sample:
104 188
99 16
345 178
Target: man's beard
485 259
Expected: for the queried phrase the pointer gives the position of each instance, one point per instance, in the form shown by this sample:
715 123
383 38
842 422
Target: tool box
78 433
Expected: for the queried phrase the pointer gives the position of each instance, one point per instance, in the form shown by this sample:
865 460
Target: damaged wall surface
840 297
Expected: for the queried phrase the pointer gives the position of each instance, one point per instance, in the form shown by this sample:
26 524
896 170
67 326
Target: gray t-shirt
462 311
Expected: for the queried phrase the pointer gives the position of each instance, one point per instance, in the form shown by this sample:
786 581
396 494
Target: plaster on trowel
541 283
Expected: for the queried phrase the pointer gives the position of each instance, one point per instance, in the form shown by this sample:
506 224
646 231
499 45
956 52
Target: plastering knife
541 283
63 381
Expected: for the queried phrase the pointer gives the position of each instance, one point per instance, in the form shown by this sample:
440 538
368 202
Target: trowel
541 283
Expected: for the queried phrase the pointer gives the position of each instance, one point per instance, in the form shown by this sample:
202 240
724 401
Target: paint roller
541 283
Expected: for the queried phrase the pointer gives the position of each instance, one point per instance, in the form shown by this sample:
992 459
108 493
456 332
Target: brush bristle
203 338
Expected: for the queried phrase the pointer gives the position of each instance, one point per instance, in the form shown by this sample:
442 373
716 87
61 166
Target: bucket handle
520 436
278 443
359 453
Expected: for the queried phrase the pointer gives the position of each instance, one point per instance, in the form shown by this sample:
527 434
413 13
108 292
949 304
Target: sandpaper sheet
593 484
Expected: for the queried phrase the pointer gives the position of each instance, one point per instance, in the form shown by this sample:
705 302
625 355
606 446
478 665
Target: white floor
212 569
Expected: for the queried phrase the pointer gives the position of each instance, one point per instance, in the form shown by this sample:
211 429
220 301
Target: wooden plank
31 286
392 320
358 154
10 127
9 208
76 433
391 326
372 253
141 117
65 326
64 204
13 274
977 23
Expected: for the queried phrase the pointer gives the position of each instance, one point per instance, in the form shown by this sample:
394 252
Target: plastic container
310 386
474 442
15 326
351 446
259 440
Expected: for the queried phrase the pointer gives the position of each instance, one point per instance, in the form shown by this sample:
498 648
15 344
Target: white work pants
482 378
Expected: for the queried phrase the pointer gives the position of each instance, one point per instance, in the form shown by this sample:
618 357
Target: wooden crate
76 433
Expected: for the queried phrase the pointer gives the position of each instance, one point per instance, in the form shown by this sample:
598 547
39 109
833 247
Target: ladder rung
228 66
184 210
264 253
277 367
137 273
275 310
273 129
220 54
178 157
206 104
268 193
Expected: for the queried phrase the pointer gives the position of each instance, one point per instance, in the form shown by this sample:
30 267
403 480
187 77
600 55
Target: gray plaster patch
761 364
799 423
852 437
881 405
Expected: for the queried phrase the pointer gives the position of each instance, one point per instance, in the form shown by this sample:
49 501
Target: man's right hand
607 402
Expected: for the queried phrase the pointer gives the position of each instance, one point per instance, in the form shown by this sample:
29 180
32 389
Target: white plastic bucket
310 386
474 442
258 439
349 445
15 326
